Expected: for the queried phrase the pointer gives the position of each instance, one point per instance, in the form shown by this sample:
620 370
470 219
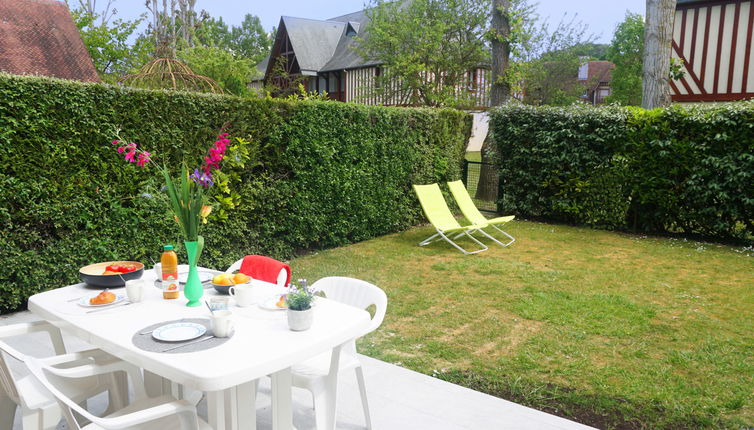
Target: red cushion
264 268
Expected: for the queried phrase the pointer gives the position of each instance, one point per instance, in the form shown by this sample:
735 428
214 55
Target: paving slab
399 398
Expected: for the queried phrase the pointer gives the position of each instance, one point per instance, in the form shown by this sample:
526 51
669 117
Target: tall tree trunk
658 39
487 189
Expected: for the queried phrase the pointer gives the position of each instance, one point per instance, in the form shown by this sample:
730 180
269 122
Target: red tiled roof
39 37
600 71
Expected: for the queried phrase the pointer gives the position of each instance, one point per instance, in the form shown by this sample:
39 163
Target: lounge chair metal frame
470 211
437 212
440 234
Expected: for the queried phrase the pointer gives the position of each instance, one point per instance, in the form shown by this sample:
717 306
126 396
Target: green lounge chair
442 219
469 210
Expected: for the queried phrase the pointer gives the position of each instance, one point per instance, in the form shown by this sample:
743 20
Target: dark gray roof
345 56
323 46
313 41
262 68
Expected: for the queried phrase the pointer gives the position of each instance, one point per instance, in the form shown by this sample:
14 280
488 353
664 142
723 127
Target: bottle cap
167 247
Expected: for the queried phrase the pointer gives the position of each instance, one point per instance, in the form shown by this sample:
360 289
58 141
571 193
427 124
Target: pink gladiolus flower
121 149
143 159
130 156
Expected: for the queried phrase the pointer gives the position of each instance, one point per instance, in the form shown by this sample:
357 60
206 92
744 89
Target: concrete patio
399 398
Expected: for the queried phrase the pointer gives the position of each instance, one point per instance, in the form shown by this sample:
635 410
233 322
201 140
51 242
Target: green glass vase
193 290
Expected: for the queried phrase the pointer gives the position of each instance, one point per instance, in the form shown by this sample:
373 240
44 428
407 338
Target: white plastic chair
282 276
38 409
144 413
319 374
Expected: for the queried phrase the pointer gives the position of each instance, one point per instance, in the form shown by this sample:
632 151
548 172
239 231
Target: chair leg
51 417
363 391
428 240
512 239
7 411
40 419
325 403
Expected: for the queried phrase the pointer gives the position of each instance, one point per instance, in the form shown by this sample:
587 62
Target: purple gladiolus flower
201 178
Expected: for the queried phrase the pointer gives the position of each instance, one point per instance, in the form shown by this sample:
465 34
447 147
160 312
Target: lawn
609 329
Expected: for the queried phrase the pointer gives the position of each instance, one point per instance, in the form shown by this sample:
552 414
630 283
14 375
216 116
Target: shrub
327 174
686 169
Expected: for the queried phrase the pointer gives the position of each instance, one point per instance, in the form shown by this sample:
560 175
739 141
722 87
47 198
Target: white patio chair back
320 374
357 293
7 379
39 410
142 413
7 383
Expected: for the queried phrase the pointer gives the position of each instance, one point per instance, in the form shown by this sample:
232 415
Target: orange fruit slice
240 278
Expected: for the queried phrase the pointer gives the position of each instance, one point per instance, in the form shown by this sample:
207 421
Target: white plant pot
300 320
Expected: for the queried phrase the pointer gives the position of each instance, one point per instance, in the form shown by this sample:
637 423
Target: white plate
203 276
84 301
179 332
270 305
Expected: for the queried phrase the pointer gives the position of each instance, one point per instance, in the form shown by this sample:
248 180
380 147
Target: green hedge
329 174
687 169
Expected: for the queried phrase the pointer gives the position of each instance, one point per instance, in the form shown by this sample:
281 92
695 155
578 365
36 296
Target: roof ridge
315 20
346 14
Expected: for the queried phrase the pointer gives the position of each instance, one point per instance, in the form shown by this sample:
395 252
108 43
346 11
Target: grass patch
613 330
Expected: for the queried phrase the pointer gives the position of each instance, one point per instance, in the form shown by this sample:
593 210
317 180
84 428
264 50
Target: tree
173 25
249 40
595 51
658 36
107 40
499 35
232 73
547 60
427 47
627 52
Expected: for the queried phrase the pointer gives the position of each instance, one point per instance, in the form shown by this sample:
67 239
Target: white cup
222 323
135 290
243 294
158 271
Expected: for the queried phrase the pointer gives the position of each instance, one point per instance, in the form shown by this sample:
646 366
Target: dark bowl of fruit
111 274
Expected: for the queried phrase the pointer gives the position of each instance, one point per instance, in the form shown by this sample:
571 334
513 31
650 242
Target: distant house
39 37
596 77
713 38
323 53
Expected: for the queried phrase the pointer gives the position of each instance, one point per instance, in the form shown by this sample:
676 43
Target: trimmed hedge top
328 174
686 169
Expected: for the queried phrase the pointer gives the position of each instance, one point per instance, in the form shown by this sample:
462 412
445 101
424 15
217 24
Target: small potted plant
299 301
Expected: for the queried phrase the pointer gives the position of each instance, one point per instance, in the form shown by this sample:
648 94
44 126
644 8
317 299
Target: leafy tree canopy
249 40
428 46
107 42
232 73
627 51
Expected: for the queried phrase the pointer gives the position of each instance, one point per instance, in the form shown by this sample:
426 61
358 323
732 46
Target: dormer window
352 29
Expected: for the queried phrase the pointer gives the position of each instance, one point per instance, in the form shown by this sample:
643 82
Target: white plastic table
262 345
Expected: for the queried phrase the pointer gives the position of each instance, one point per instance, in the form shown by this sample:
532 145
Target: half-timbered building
713 39
321 55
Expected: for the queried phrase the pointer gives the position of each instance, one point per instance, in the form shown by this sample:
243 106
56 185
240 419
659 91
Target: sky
600 15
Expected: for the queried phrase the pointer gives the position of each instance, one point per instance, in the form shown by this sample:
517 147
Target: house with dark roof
596 77
713 40
322 55
39 37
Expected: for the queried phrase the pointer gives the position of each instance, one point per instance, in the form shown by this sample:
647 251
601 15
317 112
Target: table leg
282 410
246 399
155 384
216 410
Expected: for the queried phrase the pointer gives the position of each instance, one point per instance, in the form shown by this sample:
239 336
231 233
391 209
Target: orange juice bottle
169 263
